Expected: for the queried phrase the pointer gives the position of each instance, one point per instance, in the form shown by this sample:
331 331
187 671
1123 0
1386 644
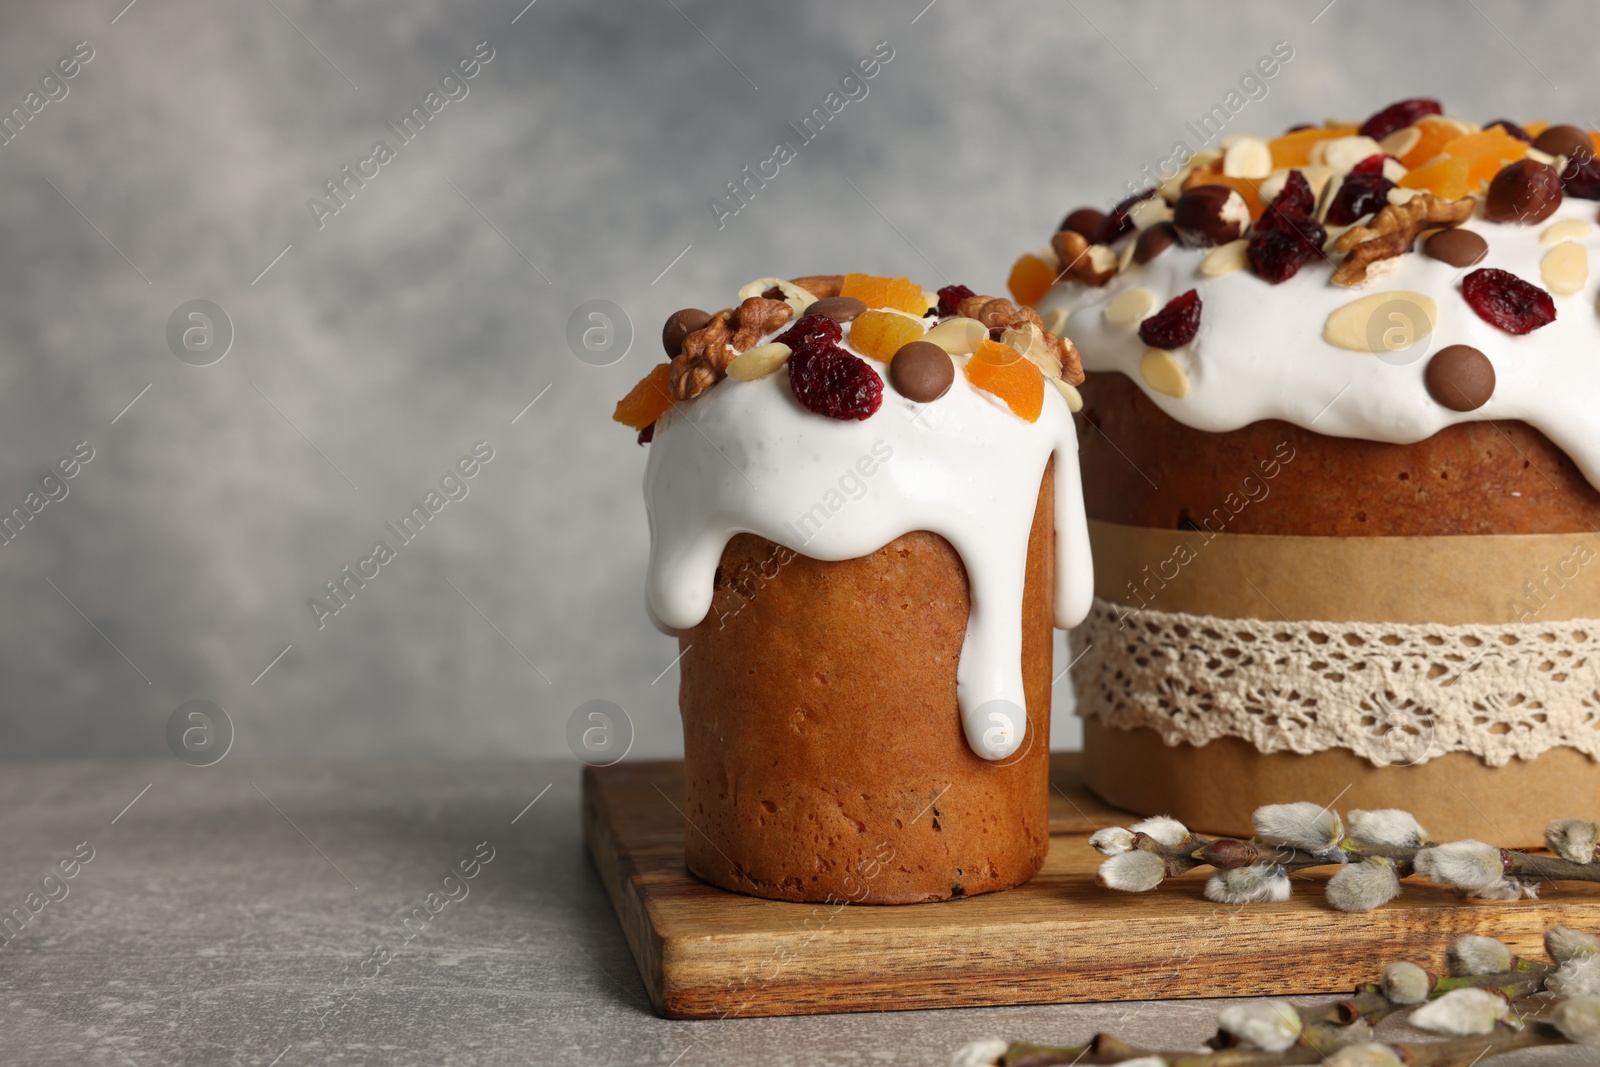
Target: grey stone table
279 914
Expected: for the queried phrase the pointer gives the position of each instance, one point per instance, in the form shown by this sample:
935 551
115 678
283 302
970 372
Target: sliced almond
1225 259
1162 372
1394 170
1401 141
1565 268
1147 213
1055 320
1341 154
1273 184
1125 257
1400 194
1382 322
758 362
1247 157
1029 340
1565 230
1317 176
1130 307
797 298
958 336
1073 397
1545 158
932 298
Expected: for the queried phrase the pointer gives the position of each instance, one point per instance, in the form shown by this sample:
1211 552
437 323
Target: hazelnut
1210 215
1569 141
1154 241
1086 221
1525 191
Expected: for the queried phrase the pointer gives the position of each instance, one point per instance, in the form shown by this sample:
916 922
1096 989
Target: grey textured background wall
372 352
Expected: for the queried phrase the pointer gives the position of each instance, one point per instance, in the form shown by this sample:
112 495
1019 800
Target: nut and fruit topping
1565 268
837 308
1031 277
1512 128
1209 215
708 351
950 298
1130 307
1569 141
1459 248
998 314
1363 192
681 324
922 371
1154 241
1460 378
1502 299
1524 191
1162 372
647 401
880 334
1381 322
958 336
1394 231
1286 238
827 380
1001 370
758 362
900 294
1399 115
1085 221
1174 325
1080 260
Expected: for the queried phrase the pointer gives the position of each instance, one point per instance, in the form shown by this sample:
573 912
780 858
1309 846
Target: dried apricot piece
880 334
1445 177
1002 370
1031 277
1436 133
1294 149
902 294
1485 153
647 401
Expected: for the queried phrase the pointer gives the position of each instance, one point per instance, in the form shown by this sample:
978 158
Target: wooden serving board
707 953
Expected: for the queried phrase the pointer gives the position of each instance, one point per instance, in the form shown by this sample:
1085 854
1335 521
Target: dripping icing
744 457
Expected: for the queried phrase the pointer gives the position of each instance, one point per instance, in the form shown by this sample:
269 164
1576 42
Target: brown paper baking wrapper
1452 580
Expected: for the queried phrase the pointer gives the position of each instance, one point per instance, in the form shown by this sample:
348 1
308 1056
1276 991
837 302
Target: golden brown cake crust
1143 468
824 751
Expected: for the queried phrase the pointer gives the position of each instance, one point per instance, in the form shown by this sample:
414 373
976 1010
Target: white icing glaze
1260 352
746 457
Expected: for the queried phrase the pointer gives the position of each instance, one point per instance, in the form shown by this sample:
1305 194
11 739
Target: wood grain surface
707 953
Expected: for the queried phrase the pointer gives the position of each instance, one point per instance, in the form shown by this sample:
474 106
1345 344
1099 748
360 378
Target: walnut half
708 351
1393 231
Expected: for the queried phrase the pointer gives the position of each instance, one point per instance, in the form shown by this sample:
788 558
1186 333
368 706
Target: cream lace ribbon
1392 693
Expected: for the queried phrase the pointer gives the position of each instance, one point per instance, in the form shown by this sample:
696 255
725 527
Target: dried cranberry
1278 252
811 328
1502 299
1118 222
647 434
1373 164
1398 116
1174 325
830 381
1296 198
1361 194
1513 129
950 298
1582 178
